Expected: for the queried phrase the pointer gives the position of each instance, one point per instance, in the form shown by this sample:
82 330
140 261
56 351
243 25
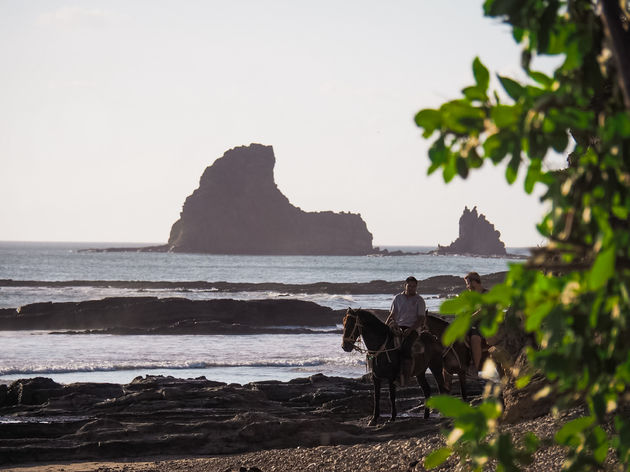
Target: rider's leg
409 338
475 347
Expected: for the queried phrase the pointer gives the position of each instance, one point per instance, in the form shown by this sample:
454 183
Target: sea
68 358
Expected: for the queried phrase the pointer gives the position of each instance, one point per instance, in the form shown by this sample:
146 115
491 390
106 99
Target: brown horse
384 359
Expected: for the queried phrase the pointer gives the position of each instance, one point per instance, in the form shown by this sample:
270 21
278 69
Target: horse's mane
370 320
436 319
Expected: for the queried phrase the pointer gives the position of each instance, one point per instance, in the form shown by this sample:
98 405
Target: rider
407 313
473 283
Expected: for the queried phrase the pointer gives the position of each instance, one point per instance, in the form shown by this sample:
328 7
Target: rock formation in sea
151 315
238 209
477 236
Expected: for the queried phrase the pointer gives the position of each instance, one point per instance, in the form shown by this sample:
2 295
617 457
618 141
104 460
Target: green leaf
491 410
438 152
437 457
523 381
456 330
573 427
603 269
500 293
539 314
601 451
475 93
541 78
547 19
450 170
481 74
518 34
430 120
505 116
453 305
622 124
462 167
621 212
513 88
533 175
461 117
559 141
512 169
450 406
573 57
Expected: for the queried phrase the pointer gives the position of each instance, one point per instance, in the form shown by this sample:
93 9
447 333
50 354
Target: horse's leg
448 380
462 384
426 390
392 398
437 369
377 400
466 358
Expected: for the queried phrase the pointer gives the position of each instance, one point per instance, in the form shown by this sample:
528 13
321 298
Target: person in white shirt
407 313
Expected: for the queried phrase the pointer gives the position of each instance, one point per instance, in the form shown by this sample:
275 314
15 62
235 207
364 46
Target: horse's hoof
391 420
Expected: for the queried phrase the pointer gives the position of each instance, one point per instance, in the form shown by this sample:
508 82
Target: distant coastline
384 251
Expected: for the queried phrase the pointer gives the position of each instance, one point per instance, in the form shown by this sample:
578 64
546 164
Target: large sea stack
477 236
238 209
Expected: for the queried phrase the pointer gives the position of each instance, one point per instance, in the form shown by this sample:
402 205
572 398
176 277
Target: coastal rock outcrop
238 209
477 236
154 416
440 284
152 315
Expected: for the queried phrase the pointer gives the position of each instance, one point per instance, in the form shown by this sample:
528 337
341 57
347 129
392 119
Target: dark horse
384 357
455 358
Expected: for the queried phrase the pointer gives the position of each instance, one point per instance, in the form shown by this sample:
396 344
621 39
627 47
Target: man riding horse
407 314
476 341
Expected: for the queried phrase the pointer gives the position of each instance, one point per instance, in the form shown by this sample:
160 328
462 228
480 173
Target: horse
455 358
384 358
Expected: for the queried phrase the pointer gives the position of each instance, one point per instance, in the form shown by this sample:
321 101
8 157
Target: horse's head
351 330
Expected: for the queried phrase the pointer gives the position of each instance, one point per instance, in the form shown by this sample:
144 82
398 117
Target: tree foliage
574 294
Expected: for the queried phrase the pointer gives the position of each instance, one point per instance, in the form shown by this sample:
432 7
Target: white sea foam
30 354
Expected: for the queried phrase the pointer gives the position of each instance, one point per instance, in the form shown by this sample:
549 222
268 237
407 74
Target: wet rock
33 391
167 315
157 415
442 284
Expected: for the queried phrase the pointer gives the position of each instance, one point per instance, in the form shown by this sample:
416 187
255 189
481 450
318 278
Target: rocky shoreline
43 421
163 424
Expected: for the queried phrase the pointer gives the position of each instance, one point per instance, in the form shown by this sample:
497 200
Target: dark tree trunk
619 36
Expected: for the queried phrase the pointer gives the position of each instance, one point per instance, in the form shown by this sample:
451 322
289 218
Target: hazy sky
111 110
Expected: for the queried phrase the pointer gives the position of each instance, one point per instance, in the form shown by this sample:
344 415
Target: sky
111 110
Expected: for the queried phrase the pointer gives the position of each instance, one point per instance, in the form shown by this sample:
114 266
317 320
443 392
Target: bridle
354 339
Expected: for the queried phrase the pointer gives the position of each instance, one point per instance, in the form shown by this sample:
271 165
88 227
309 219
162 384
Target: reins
369 352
